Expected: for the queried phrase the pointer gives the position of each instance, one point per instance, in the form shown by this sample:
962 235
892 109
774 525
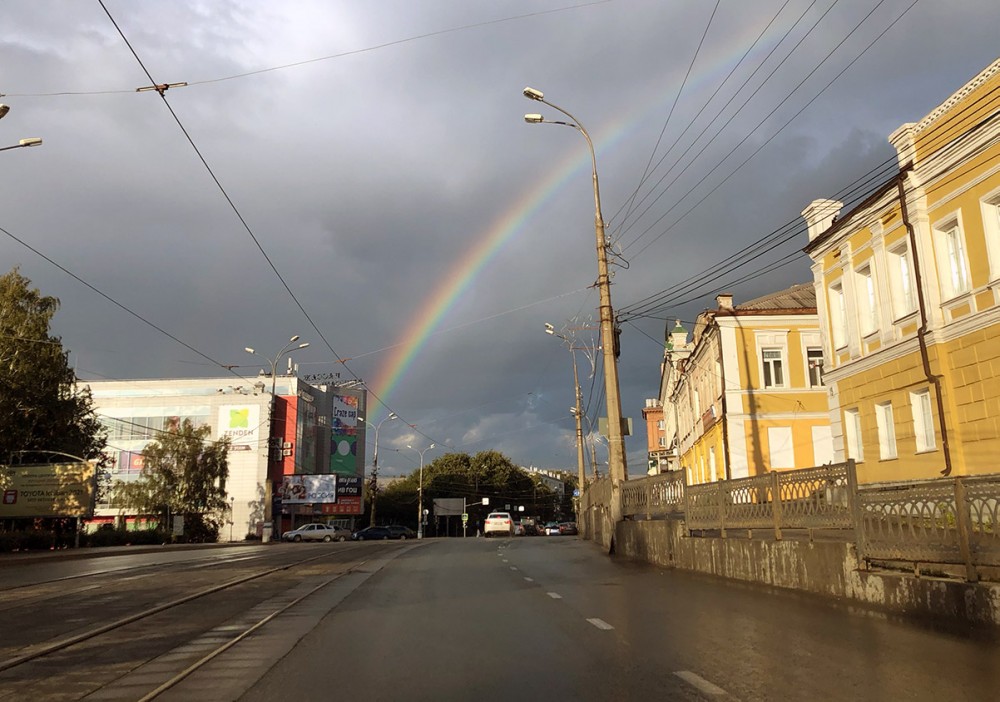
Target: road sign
576 492
465 518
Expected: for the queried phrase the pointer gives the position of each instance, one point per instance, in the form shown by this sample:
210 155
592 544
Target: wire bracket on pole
160 87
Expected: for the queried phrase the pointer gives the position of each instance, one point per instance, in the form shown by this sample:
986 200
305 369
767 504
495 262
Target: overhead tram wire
694 119
766 142
670 113
244 222
859 189
722 109
877 174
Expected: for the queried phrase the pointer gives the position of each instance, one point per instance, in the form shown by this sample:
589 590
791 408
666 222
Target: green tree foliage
459 475
183 474
41 408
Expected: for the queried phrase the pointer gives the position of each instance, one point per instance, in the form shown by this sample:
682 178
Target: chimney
820 215
724 301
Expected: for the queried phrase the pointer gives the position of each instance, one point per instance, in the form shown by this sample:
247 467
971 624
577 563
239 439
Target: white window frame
838 314
886 431
852 435
923 420
991 230
867 300
901 280
814 364
952 254
768 366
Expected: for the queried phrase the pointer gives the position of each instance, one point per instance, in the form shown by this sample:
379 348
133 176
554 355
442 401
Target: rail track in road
73 657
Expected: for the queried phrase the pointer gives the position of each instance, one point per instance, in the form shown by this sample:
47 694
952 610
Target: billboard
308 489
344 417
344 454
53 490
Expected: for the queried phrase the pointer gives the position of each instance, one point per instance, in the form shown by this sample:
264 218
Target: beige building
908 287
749 397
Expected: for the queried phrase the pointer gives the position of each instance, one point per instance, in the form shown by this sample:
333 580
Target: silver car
317 532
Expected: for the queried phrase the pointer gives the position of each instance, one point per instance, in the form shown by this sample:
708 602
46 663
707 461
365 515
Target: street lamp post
272 455
420 491
374 488
577 412
232 506
616 445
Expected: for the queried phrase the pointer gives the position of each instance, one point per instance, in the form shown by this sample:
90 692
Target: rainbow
464 271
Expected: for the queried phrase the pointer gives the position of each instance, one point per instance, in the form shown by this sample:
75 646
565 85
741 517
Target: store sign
345 413
239 423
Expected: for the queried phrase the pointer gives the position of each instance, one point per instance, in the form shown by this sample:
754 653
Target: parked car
317 532
551 529
498 523
568 529
401 532
372 533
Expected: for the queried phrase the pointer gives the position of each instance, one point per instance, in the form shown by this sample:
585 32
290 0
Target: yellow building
749 398
908 289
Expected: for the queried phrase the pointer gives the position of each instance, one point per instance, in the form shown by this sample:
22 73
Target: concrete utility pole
420 491
616 444
374 488
577 411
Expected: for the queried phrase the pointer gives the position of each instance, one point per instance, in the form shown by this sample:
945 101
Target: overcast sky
360 174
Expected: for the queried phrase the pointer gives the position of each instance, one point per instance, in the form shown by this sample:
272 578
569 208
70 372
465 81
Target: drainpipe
935 380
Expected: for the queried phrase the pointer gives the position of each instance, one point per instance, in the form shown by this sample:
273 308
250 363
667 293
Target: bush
121 537
27 540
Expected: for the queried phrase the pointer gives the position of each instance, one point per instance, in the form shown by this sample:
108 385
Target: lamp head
4 109
534 119
533 94
303 345
31 141
248 349
294 339
431 446
392 415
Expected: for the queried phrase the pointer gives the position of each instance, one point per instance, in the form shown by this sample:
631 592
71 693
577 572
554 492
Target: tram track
179 636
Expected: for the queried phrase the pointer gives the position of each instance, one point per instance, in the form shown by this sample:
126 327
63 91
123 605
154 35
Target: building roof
801 296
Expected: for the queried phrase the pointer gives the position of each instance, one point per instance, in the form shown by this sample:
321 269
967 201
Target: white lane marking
554 595
600 624
506 561
513 567
530 580
699 682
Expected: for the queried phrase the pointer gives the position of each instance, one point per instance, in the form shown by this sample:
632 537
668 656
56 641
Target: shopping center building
317 430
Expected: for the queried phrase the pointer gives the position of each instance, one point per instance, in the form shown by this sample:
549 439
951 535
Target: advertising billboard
308 489
53 490
344 417
344 454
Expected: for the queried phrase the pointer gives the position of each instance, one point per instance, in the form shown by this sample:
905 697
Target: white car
317 532
498 523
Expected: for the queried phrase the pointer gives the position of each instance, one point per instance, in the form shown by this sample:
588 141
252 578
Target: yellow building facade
908 295
750 396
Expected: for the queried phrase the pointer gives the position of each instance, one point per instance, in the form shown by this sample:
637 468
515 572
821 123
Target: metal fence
943 521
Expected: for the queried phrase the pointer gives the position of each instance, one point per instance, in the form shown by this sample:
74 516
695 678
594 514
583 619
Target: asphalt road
546 618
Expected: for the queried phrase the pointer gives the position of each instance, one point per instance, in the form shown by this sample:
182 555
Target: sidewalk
26 557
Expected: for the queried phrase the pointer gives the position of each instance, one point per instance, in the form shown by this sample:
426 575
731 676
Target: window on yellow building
991 227
838 315
901 280
867 301
772 368
954 268
923 420
814 357
852 435
886 431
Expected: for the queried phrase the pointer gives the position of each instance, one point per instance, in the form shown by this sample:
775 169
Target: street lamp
616 446
420 491
374 488
269 517
30 141
577 411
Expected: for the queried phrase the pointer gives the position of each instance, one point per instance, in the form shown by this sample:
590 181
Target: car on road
317 532
551 529
498 523
372 533
401 532
568 529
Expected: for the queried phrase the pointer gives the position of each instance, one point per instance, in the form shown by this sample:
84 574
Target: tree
183 474
41 408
